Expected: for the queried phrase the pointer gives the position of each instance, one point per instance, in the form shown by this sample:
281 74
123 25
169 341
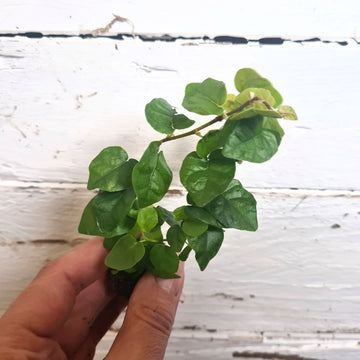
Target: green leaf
107 214
235 208
287 112
159 114
179 213
210 142
125 254
194 227
249 78
205 98
202 215
110 242
230 102
109 171
88 223
175 237
250 142
206 178
111 211
147 218
154 234
167 216
206 246
185 253
164 259
214 139
181 121
151 176
274 126
257 107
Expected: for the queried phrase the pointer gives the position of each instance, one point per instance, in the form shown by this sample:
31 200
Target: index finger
46 303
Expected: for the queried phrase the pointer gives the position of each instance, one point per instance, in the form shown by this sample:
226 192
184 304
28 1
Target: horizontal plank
299 272
277 346
63 100
246 19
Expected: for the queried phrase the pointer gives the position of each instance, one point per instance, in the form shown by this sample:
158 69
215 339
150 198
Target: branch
218 118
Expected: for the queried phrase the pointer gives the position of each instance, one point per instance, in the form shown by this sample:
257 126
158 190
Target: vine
123 211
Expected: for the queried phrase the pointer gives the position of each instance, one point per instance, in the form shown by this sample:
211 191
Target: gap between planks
293 192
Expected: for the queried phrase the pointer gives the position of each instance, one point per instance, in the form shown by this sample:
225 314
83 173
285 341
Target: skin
68 308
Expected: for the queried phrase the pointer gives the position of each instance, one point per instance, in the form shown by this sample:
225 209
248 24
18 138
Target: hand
68 308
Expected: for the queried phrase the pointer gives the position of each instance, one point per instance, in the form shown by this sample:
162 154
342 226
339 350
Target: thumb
149 319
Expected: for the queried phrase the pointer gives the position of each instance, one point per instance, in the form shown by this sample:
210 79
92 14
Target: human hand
68 308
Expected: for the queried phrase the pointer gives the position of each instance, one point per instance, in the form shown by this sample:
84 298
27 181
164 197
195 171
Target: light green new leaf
181 121
164 259
206 98
126 253
204 179
194 227
151 176
147 218
159 114
287 112
175 237
257 107
249 78
235 208
206 246
109 171
250 142
111 212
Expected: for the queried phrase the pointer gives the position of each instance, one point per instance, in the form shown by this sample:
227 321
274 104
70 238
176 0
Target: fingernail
173 286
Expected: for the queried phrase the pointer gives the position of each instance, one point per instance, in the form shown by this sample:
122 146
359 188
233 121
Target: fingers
101 325
149 319
89 303
45 305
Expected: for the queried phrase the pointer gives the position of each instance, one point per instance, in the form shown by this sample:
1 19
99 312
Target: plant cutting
140 234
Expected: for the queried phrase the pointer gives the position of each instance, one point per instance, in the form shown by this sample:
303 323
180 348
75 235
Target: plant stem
218 118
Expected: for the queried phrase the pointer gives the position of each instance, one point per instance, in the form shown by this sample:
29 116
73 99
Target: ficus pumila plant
123 211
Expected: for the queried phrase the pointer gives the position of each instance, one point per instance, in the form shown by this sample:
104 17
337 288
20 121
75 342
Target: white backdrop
291 287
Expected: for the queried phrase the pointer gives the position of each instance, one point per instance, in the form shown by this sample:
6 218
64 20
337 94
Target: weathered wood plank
315 18
298 272
66 99
276 346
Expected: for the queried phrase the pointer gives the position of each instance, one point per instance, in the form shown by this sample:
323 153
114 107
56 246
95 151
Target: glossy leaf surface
164 259
159 114
151 176
235 208
249 141
126 253
109 171
206 246
206 178
248 78
147 218
205 98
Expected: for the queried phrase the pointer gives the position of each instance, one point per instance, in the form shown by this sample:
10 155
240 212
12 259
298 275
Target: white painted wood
298 18
219 346
290 288
66 99
297 273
